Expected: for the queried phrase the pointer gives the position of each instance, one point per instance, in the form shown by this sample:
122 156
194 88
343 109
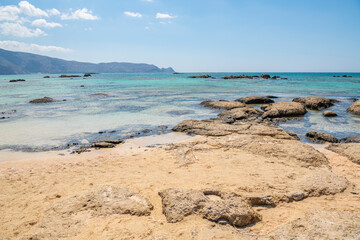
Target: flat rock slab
66 218
315 103
321 137
241 113
355 108
42 100
321 225
222 104
212 205
349 150
284 109
255 100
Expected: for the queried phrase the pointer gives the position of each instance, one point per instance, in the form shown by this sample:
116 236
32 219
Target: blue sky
190 35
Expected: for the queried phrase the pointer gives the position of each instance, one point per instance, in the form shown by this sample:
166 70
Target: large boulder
355 108
349 150
42 100
212 205
241 113
255 100
222 104
321 137
284 109
316 103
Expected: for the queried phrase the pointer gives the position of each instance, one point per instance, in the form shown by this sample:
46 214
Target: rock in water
17 80
43 100
354 139
212 205
265 76
104 145
316 103
321 137
284 109
222 104
355 108
329 114
241 113
255 100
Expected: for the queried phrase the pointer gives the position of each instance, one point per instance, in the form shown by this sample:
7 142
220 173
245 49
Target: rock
329 114
353 139
238 76
271 96
115 141
294 135
349 150
82 86
17 80
295 196
265 76
43 100
262 200
87 75
283 109
321 137
99 94
255 100
103 145
222 104
353 99
315 103
320 225
46 76
68 76
212 205
355 108
241 113
275 77
202 76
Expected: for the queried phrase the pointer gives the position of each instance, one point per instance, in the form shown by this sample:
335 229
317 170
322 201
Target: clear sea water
134 102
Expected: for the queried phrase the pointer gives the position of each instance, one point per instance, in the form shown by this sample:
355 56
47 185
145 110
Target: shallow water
134 102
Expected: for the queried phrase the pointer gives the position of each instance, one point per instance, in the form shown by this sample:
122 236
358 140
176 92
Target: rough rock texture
241 113
212 205
222 104
255 100
330 114
266 200
216 128
350 150
283 109
321 137
42 100
353 139
104 145
321 225
315 103
355 108
66 218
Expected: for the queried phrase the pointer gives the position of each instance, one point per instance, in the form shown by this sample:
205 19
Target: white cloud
80 14
164 16
9 13
53 11
33 48
18 30
31 10
133 14
43 23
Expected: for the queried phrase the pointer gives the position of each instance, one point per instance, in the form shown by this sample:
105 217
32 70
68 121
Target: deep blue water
134 102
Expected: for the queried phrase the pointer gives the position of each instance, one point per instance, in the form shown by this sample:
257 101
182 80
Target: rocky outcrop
87 75
201 76
316 103
349 150
321 225
42 100
355 108
212 205
330 114
321 137
265 76
262 200
241 113
283 109
238 76
222 104
68 76
353 139
255 100
17 80
46 77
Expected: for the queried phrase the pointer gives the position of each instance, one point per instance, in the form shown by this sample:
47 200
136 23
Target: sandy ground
30 186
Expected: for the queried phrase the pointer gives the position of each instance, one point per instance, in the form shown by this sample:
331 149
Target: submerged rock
316 103
201 76
212 205
283 109
46 76
222 104
321 137
43 100
255 100
349 150
355 108
68 76
330 114
17 80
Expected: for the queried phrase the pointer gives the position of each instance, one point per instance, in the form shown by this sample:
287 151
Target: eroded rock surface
222 104
315 103
212 205
321 225
284 109
321 137
241 113
255 100
350 150
355 108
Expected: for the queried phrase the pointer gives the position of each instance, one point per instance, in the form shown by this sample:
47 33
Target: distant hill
26 63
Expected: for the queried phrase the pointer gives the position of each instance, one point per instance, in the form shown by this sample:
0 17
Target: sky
190 35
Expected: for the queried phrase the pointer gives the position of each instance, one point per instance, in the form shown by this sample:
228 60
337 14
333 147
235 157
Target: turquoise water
134 102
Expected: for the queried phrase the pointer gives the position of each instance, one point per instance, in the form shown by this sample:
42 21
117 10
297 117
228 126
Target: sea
112 106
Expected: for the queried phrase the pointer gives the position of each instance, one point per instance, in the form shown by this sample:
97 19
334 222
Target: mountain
27 63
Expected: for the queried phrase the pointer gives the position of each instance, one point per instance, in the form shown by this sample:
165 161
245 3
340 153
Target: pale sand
29 187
